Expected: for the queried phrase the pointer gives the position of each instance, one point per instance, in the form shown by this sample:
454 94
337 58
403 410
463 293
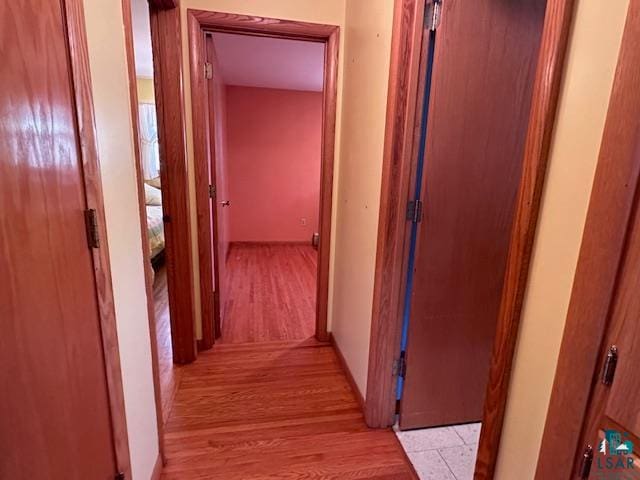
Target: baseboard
157 469
347 372
274 243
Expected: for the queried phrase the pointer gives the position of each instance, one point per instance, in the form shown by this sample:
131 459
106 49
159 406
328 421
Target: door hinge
610 363
432 14
400 365
414 211
119 476
91 223
212 191
208 70
585 464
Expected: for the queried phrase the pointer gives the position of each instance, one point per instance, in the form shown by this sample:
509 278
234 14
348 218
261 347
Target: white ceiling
142 38
266 62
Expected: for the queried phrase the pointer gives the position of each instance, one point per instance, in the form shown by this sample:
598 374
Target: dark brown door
220 203
54 412
483 71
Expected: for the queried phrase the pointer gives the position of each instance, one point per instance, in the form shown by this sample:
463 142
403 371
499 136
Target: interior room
267 184
347 239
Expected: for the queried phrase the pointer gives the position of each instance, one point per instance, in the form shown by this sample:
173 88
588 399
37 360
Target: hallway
274 410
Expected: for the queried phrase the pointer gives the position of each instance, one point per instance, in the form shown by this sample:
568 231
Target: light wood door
54 413
220 203
484 65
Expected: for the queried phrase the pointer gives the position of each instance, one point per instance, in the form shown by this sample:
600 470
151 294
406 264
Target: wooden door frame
200 21
92 182
401 128
614 198
166 40
144 232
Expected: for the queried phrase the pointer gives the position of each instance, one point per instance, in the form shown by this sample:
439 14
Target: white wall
367 51
584 99
110 84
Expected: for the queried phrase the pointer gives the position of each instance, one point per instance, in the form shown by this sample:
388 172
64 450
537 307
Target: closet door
54 413
485 59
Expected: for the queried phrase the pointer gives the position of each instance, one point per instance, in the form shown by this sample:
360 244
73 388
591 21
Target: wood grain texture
216 95
617 406
167 62
232 22
202 153
329 35
64 409
614 194
558 16
472 168
330 100
169 373
271 293
406 52
144 232
271 411
81 78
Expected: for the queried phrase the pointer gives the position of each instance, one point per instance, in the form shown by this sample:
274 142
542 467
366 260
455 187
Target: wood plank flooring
271 293
168 372
276 410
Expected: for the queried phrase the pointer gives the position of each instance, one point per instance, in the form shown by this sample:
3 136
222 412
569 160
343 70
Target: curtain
149 149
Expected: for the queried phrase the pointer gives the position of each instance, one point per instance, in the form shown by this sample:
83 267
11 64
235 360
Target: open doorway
263 115
152 210
265 100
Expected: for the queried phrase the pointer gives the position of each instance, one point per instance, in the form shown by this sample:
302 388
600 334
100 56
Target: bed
156 230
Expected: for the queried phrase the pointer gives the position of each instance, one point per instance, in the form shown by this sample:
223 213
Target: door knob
225 203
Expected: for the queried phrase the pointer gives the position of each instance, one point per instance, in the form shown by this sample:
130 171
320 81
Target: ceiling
142 38
266 62
244 60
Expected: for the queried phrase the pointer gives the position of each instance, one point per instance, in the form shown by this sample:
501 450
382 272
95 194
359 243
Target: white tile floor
445 453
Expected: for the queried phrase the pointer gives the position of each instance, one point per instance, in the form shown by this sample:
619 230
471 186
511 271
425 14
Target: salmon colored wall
274 140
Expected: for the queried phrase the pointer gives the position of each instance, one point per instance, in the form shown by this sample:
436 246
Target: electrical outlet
303 221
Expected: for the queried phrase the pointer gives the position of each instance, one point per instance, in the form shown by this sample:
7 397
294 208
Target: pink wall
273 161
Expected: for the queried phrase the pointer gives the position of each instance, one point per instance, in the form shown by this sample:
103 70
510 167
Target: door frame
144 232
398 158
88 154
199 21
614 198
166 44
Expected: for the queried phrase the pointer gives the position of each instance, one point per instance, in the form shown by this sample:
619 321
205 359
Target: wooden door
483 71
54 413
587 405
614 412
220 204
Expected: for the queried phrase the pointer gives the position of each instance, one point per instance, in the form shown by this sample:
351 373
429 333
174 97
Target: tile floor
445 453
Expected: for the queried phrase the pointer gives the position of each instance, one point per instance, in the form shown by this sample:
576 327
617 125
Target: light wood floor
273 409
271 293
168 372
280 410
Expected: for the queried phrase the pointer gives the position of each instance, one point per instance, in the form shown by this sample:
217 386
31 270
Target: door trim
144 232
88 153
613 199
200 20
166 44
396 172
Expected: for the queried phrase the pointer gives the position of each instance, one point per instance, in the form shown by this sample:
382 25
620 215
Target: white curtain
149 150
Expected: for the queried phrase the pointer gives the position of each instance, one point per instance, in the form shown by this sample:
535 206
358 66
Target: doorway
461 190
263 106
